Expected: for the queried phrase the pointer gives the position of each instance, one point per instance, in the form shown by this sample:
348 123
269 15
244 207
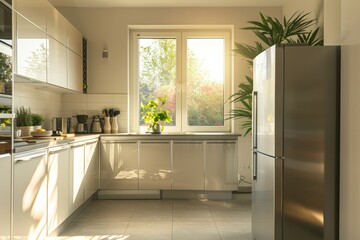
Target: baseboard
129 194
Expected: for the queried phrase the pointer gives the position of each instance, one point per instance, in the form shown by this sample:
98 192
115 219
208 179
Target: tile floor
163 220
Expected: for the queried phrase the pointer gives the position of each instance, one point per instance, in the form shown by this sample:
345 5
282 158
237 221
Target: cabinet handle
254 165
92 142
112 142
154 142
188 142
59 149
30 155
221 142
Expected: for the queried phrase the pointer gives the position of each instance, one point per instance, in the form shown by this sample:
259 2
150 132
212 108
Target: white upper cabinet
34 10
74 40
57 26
56 64
31 45
75 71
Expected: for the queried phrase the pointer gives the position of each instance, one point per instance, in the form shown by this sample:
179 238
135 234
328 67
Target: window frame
181 36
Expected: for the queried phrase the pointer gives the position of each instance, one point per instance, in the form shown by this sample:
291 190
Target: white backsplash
52 104
93 104
39 101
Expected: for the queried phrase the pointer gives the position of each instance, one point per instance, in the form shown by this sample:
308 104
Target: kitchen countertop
23 146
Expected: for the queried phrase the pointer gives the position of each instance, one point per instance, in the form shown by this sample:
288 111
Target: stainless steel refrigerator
296 98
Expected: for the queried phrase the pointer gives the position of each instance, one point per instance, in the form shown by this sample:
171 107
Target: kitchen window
191 69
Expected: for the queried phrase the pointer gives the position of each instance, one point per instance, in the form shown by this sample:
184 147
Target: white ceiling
165 3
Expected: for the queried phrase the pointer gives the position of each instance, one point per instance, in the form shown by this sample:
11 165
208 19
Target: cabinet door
58 186
155 165
74 40
75 71
5 196
119 165
221 166
76 178
91 168
188 166
57 69
30 193
30 50
57 26
34 10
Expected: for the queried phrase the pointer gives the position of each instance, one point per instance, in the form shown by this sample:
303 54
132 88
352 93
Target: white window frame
181 109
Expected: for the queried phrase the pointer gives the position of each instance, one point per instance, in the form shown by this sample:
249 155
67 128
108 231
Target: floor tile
234 231
195 230
95 228
172 219
156 230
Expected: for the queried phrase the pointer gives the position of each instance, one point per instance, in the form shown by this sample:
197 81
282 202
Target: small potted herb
154 114
24 121
37 120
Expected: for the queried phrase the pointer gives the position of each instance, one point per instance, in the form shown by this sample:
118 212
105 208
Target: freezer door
267 101
263 202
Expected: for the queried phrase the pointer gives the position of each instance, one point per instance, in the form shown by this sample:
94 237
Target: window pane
157 73
205 82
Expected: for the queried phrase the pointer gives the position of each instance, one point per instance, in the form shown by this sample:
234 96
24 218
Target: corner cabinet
91 168
221 169
155 171
76 177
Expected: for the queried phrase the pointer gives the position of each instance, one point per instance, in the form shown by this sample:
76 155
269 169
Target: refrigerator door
267 95
263 210
311 150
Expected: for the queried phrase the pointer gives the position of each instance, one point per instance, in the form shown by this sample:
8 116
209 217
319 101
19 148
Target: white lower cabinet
188 165
155 171
30 194
58 185
221 168
5 196
119 165
91 168
76 177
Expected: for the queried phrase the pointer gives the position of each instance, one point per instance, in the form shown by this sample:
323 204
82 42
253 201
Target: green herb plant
23 117
37 119
153 113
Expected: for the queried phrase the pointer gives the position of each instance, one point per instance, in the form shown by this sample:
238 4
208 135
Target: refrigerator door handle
254 165
254 122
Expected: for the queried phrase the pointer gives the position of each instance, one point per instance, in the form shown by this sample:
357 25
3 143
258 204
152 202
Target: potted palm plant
154 114
269 31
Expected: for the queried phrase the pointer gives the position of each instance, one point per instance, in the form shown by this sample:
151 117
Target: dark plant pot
156 129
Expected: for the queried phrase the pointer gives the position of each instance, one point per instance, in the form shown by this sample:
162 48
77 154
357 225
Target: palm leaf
269 31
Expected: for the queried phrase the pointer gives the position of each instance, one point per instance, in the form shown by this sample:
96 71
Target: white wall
350 119
39 101
315 7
